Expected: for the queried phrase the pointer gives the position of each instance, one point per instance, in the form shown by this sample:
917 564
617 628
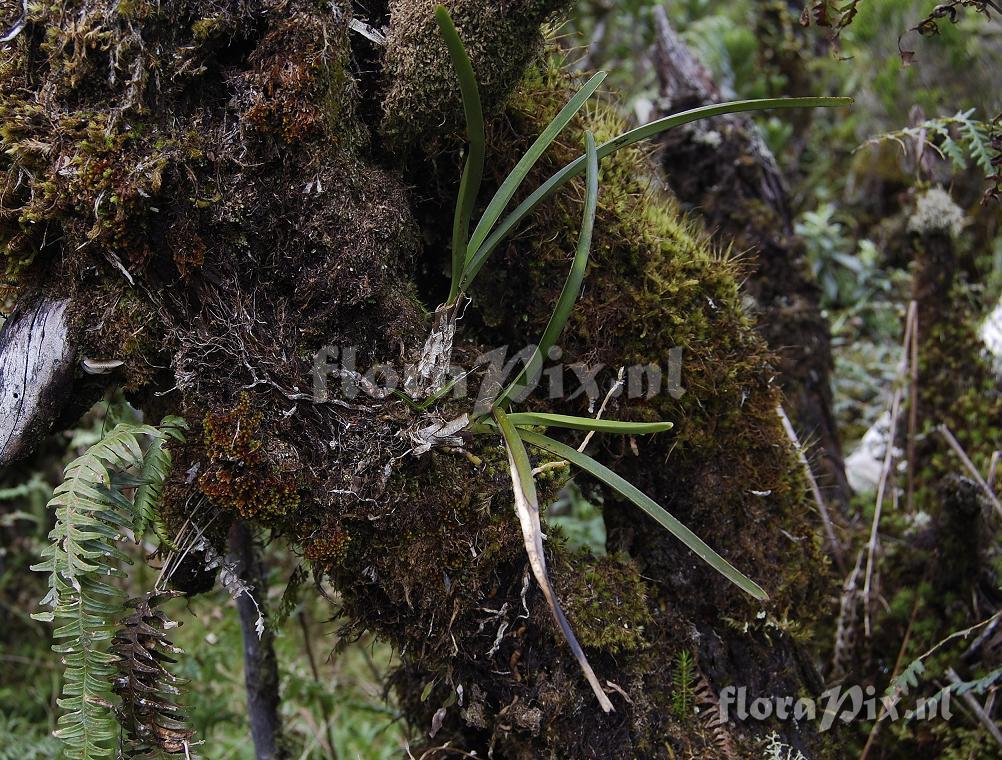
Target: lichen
935 211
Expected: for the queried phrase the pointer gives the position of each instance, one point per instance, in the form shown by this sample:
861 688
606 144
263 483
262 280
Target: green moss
958 389
422 102
655 283
206 28
80 164
605 600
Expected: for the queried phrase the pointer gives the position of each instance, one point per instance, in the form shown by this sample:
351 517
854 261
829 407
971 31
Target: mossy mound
655 283
422 101
181 147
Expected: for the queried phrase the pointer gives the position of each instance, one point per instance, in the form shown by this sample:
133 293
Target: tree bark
254 210
260 663
36 374
723 170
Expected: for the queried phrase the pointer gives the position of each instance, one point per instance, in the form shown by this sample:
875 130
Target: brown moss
329 551
298 87
242 473
127 333
88 173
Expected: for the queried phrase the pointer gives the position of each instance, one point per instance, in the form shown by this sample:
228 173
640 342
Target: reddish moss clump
241 474
296 85
329 550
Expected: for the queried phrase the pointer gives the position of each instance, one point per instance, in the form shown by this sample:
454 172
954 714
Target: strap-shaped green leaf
473 171
651 507
522 419
577 166
525 164
572 285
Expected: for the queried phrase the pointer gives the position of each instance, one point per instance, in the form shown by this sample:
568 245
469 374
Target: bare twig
844 645
913 399
955 445
836 547
976 707
616 386
885 471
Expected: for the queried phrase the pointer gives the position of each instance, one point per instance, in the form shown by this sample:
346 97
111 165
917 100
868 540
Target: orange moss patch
241 475
296 82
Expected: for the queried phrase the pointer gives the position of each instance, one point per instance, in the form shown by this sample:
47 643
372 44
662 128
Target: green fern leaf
156 466
82 561
978 143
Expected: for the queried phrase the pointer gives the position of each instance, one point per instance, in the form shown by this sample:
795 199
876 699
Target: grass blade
527 506
577 166
572 285
521 419
651 507
525 164
473 171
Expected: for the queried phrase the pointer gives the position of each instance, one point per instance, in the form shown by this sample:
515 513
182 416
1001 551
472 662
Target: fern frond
83 560
156 466
154 722
709 713
977 139
958 138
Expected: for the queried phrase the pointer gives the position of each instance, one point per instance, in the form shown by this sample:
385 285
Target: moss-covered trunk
723 171
222 189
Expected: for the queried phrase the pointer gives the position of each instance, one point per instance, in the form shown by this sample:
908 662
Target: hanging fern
154 722
960 138
156 466
83 560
